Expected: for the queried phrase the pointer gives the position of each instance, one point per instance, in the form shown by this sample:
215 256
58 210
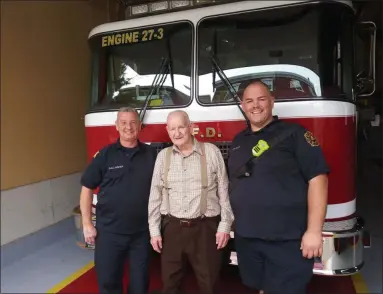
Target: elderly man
189 212
278 178
123 172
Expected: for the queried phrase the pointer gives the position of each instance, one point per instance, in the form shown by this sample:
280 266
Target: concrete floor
40 269
39 262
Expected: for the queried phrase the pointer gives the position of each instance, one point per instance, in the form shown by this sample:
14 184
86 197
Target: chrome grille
160 146
342 225
224 147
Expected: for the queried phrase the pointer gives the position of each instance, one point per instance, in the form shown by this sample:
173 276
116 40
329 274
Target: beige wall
44 87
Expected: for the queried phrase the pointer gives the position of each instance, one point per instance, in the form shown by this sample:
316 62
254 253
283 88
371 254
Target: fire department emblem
311 139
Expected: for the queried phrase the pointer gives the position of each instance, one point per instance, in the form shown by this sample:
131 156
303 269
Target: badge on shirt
311 139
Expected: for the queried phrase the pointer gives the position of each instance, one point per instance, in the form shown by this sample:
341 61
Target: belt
184 222
187 223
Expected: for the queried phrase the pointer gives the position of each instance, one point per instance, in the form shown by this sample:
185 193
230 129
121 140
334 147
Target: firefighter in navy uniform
278 193
123 172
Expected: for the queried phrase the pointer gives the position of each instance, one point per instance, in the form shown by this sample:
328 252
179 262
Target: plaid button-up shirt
184 181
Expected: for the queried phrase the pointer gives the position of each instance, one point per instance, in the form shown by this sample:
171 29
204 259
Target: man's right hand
156 243
89 234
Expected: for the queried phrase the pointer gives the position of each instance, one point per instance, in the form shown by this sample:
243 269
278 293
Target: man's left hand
312 244
221 239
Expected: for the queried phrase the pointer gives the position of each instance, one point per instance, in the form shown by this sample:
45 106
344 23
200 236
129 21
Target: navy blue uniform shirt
271 202
124 177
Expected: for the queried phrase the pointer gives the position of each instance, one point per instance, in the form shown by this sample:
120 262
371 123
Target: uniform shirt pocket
114 174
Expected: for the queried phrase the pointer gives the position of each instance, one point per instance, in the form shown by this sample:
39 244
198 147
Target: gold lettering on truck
132 37
210 132
195 131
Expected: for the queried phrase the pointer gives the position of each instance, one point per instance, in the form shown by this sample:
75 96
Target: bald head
179 115
257 103
259 85
179 128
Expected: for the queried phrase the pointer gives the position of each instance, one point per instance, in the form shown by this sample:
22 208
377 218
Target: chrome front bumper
342 252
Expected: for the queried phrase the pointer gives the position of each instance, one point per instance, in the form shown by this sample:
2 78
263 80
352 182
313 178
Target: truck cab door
365 61
365 64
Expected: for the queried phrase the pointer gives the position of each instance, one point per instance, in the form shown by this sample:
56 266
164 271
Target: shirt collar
196 147
251 132
119 146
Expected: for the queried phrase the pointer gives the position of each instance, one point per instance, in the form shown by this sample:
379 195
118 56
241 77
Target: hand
90 234
221 239
156 243
312 244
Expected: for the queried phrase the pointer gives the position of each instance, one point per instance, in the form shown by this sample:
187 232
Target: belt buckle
183 222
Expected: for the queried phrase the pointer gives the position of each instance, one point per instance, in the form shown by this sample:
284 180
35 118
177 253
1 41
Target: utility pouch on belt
259 152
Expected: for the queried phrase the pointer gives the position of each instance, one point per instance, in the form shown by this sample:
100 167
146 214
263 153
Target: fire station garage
54 73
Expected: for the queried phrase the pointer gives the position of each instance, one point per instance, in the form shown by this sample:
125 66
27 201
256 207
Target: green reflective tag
258 149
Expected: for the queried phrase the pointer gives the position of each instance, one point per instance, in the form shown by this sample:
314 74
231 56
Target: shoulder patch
311 139
96 154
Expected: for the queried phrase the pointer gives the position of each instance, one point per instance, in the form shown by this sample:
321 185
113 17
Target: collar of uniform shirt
251 132
138 146
196 147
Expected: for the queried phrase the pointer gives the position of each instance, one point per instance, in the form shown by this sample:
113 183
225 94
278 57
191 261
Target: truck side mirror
365 43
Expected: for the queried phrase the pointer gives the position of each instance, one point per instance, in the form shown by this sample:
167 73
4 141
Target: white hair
182 113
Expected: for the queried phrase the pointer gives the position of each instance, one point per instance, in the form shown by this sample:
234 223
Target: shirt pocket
141 175
114 175
175 176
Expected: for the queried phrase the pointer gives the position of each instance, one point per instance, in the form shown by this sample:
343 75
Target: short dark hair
243 86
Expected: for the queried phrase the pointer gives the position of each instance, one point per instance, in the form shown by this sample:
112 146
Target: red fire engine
193 55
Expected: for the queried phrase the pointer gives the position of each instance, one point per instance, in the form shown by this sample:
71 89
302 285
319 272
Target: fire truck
193 55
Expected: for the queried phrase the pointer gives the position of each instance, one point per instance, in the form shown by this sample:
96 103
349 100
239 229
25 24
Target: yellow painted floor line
71 278
359 284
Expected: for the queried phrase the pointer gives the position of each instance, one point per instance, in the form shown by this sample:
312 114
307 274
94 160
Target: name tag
115 167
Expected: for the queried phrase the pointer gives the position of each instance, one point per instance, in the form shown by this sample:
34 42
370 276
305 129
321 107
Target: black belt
190 222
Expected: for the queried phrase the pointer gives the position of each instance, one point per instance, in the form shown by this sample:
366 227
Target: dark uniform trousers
111 253
194 241
277 267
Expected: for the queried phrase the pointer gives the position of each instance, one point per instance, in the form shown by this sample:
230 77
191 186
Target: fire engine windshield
300 52
130 66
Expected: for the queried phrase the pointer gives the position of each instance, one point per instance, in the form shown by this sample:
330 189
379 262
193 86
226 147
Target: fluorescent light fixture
179 3
163 5
138 9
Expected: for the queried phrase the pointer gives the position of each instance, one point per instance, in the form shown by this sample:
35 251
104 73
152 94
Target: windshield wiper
158 81
170 60
166 68
226 82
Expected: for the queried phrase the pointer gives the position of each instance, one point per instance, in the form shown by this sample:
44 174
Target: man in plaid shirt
189 210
